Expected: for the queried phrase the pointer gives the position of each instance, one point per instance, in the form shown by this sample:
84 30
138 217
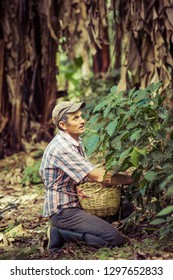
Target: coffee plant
133 131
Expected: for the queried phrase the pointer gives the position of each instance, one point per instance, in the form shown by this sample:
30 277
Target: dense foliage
133 132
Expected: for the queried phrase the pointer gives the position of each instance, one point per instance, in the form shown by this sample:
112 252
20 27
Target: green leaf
113 89
169 219
135 157
132 124
160 134
157 222
150 175
143 189
141 96
109 158
166 181
131 92
154 87
139 92
91 143
164 114
141 151
106 111
100 105
111 127
164 233
125 165
125 154
167 210
170 191
94 119
156 125
144 102
142 183
135 134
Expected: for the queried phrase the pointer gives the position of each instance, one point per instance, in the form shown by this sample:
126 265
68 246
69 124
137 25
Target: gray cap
65 107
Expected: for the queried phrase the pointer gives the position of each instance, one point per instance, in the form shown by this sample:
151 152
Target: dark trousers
96 231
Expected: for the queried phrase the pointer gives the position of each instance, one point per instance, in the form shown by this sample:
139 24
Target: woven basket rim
99 201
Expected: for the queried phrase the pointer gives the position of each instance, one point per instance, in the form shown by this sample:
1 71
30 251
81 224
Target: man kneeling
63 167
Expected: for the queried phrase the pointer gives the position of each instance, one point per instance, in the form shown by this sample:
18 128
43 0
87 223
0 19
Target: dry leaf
3 240
16 232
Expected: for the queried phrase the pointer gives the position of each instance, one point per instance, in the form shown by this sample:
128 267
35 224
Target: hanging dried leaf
169 13
150 25
134 58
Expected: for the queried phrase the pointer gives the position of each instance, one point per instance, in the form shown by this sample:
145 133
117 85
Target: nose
82 120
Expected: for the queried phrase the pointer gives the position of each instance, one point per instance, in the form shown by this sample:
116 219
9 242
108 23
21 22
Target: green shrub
133 131
31 174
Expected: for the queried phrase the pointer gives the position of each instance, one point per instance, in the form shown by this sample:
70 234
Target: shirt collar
69 138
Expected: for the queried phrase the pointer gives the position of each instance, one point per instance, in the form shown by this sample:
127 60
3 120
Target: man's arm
118 179
98 175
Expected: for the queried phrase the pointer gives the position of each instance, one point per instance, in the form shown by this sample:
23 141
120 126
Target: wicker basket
98 200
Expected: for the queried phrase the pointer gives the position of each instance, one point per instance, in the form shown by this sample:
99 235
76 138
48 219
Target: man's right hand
97 175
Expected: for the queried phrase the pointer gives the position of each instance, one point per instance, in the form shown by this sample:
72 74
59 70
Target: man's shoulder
56 141
59 142
61 139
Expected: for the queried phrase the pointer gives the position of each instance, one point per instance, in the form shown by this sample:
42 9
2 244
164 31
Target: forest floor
23 229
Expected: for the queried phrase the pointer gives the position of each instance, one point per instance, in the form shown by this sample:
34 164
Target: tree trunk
27 70
101 59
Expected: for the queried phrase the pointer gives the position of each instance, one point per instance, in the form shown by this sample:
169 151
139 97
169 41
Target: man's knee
119 239
115 238
112 236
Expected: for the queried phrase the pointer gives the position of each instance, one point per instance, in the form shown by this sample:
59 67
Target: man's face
75 124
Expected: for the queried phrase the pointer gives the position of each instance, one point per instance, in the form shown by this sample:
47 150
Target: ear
62 125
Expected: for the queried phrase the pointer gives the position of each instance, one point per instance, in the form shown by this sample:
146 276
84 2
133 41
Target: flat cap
65 107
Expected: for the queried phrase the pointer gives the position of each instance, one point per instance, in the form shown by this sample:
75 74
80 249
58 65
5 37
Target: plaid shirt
62 168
